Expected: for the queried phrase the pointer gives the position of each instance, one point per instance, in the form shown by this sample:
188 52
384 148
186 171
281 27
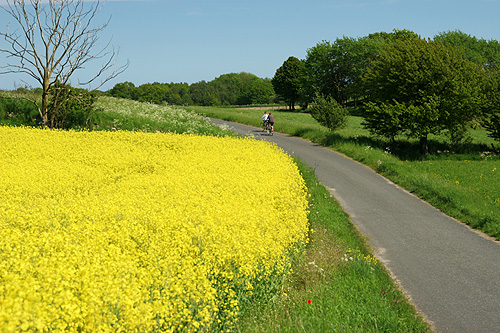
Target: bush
72 107
328 112
18 107
18 112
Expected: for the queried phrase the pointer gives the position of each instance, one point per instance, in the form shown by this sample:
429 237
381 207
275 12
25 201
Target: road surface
450 272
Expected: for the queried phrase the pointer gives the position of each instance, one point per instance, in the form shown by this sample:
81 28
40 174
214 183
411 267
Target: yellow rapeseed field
129 231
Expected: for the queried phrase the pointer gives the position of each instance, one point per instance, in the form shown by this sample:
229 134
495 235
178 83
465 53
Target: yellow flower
114 231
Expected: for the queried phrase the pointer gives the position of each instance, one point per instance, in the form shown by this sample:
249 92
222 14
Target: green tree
123 90
439 87
479 51
288 80
492 54
256 91
202 94
240 88
486 54
228 87
178 94
386 120
492 124
335 69
328 112
356 57
328 70
396 34
491 120
18 110
152 92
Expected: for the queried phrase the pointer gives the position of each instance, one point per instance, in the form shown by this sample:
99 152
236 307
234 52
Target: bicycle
269 129
263 125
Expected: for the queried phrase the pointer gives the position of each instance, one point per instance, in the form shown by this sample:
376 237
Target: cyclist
264 119
270 119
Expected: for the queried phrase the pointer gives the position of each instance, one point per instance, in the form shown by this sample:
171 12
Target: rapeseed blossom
130 231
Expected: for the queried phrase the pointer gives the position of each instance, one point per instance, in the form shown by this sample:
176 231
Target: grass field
461 181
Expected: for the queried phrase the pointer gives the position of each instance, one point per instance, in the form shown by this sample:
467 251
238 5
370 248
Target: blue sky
194 40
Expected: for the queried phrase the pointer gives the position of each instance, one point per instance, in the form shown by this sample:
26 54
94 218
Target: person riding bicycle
264 119
270 120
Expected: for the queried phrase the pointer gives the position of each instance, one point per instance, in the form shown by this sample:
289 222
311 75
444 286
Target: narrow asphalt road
450 272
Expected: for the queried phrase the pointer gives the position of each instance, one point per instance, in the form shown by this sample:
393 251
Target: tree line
228 89
401 83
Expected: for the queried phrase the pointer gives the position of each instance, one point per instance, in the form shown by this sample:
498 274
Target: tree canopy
289 79
405 84
424 87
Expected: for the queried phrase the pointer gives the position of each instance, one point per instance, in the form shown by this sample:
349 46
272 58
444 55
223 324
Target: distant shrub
17 112
328 112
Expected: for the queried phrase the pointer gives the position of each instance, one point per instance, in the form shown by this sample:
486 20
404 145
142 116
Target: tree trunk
45 107
46 116
424 148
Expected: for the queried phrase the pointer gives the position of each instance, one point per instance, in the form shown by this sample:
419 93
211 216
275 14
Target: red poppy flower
309 301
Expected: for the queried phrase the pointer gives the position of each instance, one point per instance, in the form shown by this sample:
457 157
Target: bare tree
52 40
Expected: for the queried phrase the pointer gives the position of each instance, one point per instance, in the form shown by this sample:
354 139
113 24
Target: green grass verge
337 285
461 181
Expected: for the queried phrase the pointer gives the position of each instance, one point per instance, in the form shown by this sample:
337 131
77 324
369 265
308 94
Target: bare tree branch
55 39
